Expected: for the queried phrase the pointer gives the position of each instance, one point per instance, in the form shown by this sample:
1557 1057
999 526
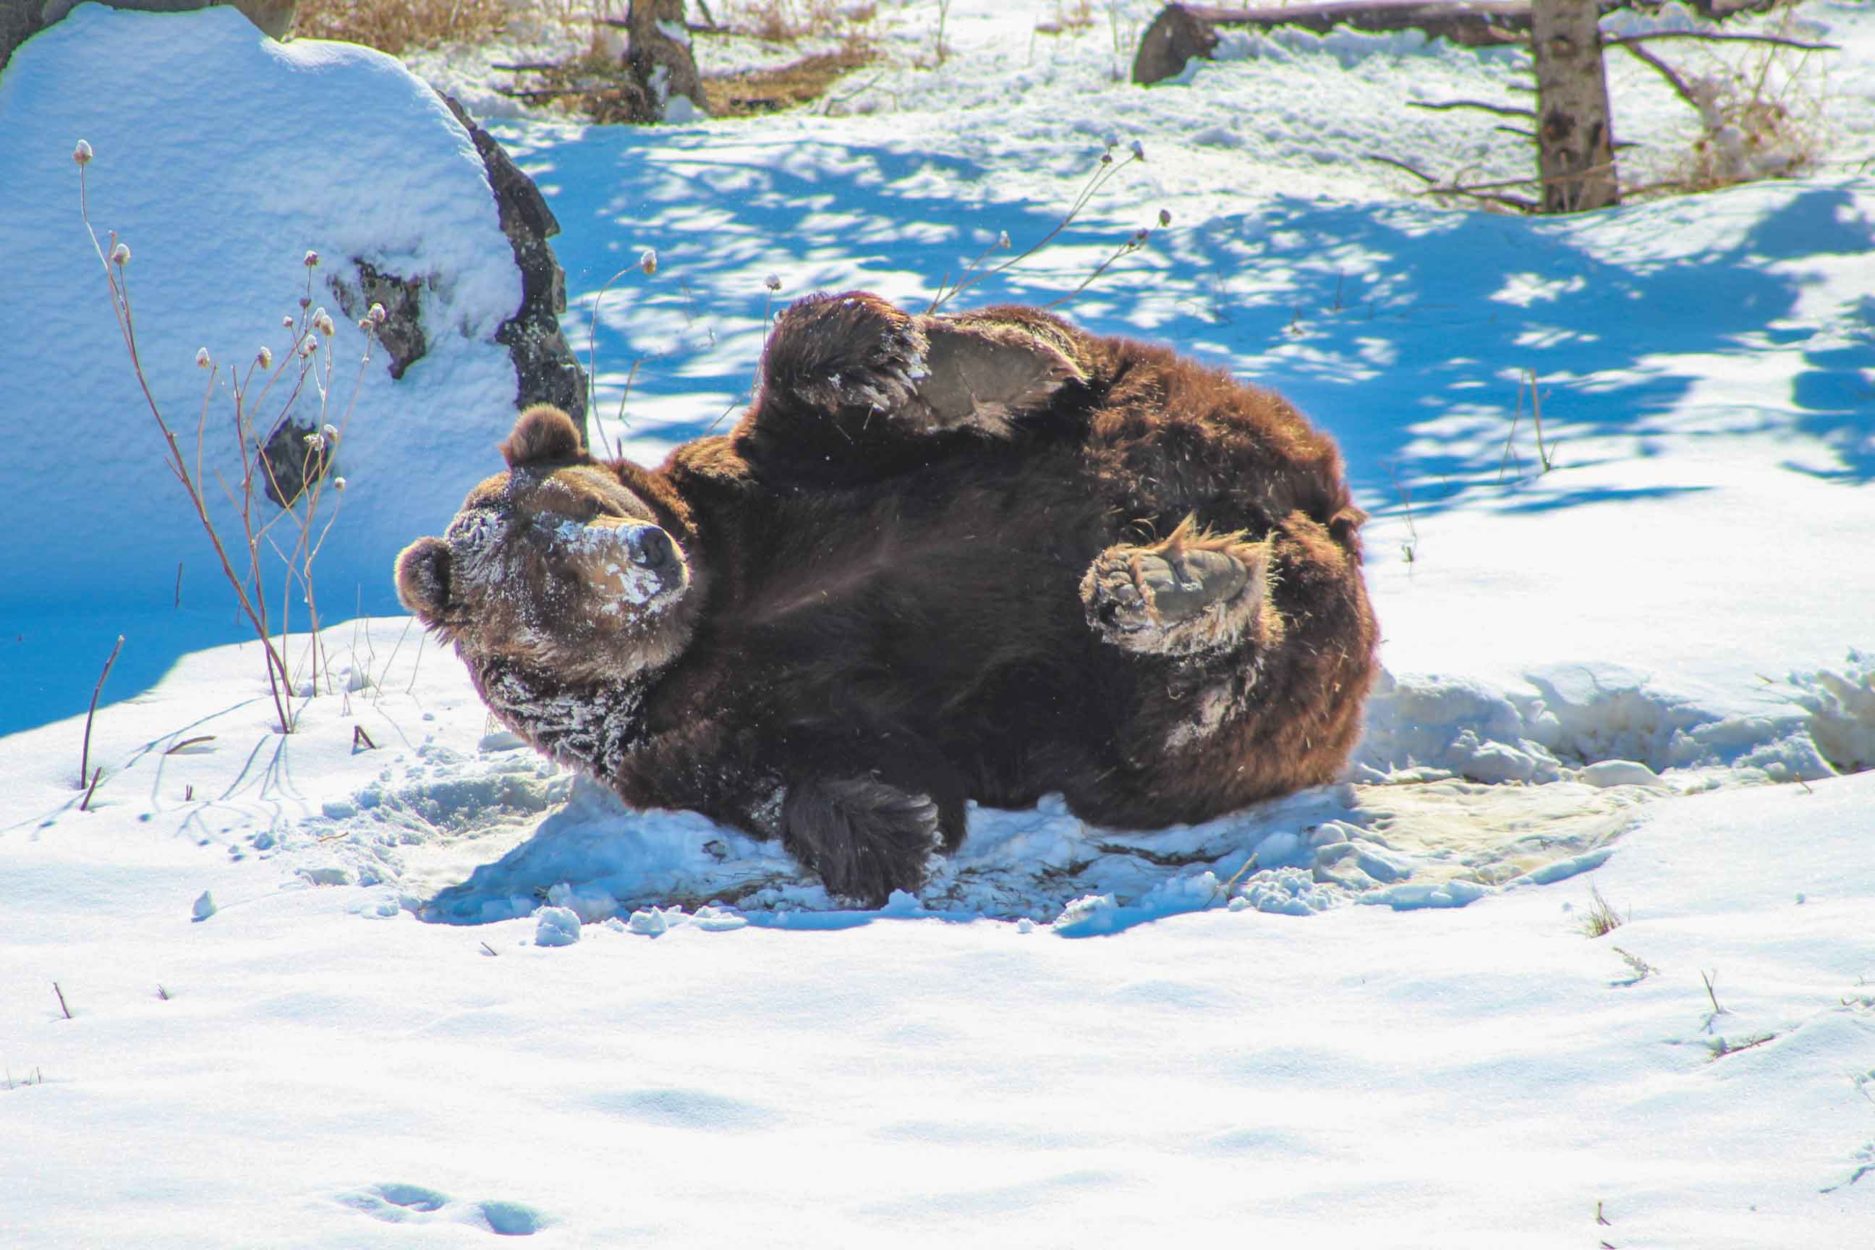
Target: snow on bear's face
555 564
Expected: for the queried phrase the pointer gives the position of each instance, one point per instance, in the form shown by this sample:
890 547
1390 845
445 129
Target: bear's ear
543 434
423 579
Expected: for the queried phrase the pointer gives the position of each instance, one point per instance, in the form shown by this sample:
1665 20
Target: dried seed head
1002 239
120 255
82 153
286 321
1139 150
265 357
330 433
309 345
1165 216
312 258
1106 158
305 302
316 442
201 358
772 282
378 314
322 322
338 483
648 260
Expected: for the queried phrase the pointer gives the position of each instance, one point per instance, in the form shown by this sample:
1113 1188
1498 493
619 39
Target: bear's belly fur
943 606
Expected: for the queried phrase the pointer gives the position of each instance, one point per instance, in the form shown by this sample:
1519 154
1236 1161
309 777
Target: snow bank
221 158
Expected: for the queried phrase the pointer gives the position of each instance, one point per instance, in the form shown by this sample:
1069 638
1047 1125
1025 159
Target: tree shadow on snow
1401 328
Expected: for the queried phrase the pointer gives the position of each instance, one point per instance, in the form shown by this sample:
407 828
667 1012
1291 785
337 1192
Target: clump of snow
1842 711
1285 892
1619 773
556 926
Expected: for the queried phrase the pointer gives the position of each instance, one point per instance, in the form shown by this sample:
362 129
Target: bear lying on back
984 556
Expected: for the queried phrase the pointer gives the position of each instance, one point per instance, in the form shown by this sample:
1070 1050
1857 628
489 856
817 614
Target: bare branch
1502 110
1665 70
1622 41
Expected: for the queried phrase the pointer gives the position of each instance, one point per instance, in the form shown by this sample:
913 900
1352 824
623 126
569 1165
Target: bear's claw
1191 593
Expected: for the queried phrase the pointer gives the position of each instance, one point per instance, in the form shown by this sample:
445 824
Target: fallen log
1182 31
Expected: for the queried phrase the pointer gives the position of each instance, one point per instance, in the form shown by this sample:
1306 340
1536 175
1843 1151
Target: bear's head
556 564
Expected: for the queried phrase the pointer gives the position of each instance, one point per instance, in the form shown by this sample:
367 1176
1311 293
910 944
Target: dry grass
1068 15
784 86
788 21
397 25
1601 919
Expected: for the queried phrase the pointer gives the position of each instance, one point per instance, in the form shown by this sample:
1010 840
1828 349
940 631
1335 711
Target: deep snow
639 1026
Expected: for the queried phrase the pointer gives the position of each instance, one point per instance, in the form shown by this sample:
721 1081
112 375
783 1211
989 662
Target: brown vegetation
395 26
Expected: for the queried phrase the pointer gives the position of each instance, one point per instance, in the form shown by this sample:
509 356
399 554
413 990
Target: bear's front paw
864 837
1195 592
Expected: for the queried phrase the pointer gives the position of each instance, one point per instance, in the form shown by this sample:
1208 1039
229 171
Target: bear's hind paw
1193 593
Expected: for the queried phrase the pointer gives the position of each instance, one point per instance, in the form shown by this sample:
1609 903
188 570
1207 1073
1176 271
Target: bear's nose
652 548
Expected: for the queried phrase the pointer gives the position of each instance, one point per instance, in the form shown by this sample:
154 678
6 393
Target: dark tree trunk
660 55
1575 140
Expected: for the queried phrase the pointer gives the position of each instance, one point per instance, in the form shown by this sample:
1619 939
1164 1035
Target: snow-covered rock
231 158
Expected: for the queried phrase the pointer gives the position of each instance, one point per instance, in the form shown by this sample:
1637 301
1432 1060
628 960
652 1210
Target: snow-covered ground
393 980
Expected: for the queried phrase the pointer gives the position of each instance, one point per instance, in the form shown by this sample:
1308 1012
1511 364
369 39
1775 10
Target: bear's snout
624 562
652 548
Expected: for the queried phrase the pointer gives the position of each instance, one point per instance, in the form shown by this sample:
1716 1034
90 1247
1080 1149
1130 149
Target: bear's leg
863 836
1194 593
841 372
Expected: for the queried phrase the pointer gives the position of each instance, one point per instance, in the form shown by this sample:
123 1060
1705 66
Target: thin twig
118 283
1536 416
1249 865
1127 248
1711 994
1502 110
97 775
1622 41
1104 173
62 1007
1666 71
592 342
84 755
1487 191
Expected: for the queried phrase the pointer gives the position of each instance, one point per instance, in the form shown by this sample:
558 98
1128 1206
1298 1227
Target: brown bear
985 556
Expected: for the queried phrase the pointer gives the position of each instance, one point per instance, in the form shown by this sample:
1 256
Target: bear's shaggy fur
984 556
